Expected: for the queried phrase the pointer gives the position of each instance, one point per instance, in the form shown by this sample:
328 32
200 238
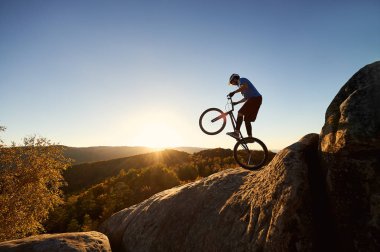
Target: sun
158 135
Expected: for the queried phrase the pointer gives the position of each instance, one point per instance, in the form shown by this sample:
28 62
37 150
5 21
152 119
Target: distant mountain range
101 153
84 175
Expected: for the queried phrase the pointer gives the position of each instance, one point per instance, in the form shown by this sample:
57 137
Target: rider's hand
231 94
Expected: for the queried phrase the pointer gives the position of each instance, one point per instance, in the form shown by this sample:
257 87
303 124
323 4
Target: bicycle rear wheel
250 153
212 121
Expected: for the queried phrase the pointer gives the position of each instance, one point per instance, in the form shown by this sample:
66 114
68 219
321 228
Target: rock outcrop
233 210
350 155
67 242
321 193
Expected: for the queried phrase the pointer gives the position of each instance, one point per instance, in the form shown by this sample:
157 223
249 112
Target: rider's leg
248 126
239 121
236 133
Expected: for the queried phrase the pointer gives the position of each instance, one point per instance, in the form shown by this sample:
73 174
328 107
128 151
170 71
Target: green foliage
187 172
215 153
83 176
30 181
132 184
87 223
99 202
31 178
73 226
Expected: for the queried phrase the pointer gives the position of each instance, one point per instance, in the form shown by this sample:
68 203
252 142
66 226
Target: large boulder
233 210
350 157
66 242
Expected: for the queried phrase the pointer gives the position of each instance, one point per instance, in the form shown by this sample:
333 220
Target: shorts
251 108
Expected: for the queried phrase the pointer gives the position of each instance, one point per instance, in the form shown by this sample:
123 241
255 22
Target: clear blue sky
87 73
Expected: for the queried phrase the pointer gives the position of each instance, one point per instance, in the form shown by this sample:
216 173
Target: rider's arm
242 100
242 87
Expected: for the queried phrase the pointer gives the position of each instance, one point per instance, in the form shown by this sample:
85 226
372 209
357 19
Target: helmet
233 76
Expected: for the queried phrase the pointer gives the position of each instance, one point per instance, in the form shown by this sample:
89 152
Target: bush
30 181
187 172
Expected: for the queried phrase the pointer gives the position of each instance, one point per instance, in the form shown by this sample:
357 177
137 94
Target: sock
248 126
239 121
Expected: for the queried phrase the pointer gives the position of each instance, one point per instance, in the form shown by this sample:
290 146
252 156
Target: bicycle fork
233 121
245 146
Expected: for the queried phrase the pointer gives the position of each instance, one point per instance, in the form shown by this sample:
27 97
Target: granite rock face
350 158
65 242
233 210
321 193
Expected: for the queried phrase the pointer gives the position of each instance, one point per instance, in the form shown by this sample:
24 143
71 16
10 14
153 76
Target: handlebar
231 102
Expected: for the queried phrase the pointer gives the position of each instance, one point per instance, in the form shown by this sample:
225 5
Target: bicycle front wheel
250 153
212 121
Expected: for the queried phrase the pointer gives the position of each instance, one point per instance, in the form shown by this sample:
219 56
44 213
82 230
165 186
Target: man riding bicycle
249 110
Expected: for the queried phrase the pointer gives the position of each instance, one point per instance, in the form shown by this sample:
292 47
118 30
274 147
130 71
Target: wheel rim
250 153
212 121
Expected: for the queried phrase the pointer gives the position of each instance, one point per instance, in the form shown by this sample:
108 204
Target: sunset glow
158 135
134 73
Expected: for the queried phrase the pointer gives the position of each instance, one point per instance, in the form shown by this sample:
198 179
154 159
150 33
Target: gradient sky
85 73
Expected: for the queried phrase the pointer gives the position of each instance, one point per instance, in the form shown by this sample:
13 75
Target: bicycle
249 152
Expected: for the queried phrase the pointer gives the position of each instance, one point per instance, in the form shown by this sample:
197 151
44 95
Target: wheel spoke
249 159
245 146
250 153
212 121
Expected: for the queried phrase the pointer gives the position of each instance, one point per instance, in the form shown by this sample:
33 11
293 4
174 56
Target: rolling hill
101 153
82 176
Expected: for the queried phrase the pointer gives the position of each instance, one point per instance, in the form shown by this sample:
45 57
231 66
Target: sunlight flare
158 135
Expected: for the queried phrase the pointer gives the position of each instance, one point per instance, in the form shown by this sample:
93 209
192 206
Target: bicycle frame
243 144
231 114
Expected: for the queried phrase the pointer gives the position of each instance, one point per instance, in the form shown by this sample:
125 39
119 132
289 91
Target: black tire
203 123
258 154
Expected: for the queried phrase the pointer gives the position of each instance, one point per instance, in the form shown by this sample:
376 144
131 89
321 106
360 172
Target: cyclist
249 110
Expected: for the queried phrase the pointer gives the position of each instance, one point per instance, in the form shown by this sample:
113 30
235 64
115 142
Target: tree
73 226
87 223
30 181
187 172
